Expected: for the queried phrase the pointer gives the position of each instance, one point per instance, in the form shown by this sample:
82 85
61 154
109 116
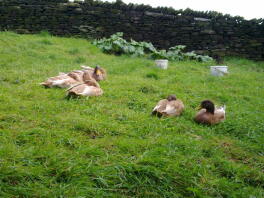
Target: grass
110 146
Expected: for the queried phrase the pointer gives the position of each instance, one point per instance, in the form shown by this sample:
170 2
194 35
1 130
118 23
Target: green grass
110 146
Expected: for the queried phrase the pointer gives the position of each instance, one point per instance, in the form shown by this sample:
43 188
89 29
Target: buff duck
66 80
209 114
168 107
89 88
61 81
98 73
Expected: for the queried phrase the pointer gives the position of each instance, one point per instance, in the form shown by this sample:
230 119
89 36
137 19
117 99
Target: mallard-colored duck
209 114
168 107
89 88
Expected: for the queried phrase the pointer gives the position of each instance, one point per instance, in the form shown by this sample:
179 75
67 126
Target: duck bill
98 72
198 108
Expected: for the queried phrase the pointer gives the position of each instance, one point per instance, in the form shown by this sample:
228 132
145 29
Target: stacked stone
212 35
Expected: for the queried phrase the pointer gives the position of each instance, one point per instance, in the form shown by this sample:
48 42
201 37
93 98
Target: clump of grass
44 33
147 90
74 51
152 75
46 42
80 60
52 56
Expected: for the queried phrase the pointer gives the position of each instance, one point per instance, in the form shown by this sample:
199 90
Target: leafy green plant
162 54
201 58
176 53
117 45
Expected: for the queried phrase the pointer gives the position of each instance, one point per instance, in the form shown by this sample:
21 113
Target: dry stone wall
211 32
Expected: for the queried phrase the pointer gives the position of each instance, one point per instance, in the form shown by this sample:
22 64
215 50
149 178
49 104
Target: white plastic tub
219 70
162 63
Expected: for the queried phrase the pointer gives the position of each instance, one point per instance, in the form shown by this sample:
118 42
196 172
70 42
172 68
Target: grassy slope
110 145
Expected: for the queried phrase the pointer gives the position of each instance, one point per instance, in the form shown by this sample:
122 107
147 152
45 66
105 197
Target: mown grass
110 146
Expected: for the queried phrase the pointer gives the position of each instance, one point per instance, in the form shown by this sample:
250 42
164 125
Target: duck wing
85 90
78 76
93 83
87 75
96 91
86 67
203 117
174 108
169 110
77 90
54 81
160 107
64 83
219 115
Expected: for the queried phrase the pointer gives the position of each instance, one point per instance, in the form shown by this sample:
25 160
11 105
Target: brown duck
209 114
66 80
89 88
98 73
61 81
168 107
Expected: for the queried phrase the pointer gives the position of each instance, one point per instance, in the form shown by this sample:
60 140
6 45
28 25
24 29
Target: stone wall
209 32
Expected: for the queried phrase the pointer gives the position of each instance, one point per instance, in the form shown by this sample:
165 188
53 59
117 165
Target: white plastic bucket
163 64
219 70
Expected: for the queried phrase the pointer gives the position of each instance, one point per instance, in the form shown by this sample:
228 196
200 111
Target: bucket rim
162 60
218 66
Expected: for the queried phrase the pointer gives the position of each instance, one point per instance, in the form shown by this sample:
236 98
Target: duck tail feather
156 113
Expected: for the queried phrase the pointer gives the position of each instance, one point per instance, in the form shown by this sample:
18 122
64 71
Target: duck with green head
209 114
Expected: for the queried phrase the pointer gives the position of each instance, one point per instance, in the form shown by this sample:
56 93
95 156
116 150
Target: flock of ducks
84 82
79 82
208 114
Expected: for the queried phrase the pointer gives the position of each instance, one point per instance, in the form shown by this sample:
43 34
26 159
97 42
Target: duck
88 88
60 81
67 80
171 106
98 73
209 114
